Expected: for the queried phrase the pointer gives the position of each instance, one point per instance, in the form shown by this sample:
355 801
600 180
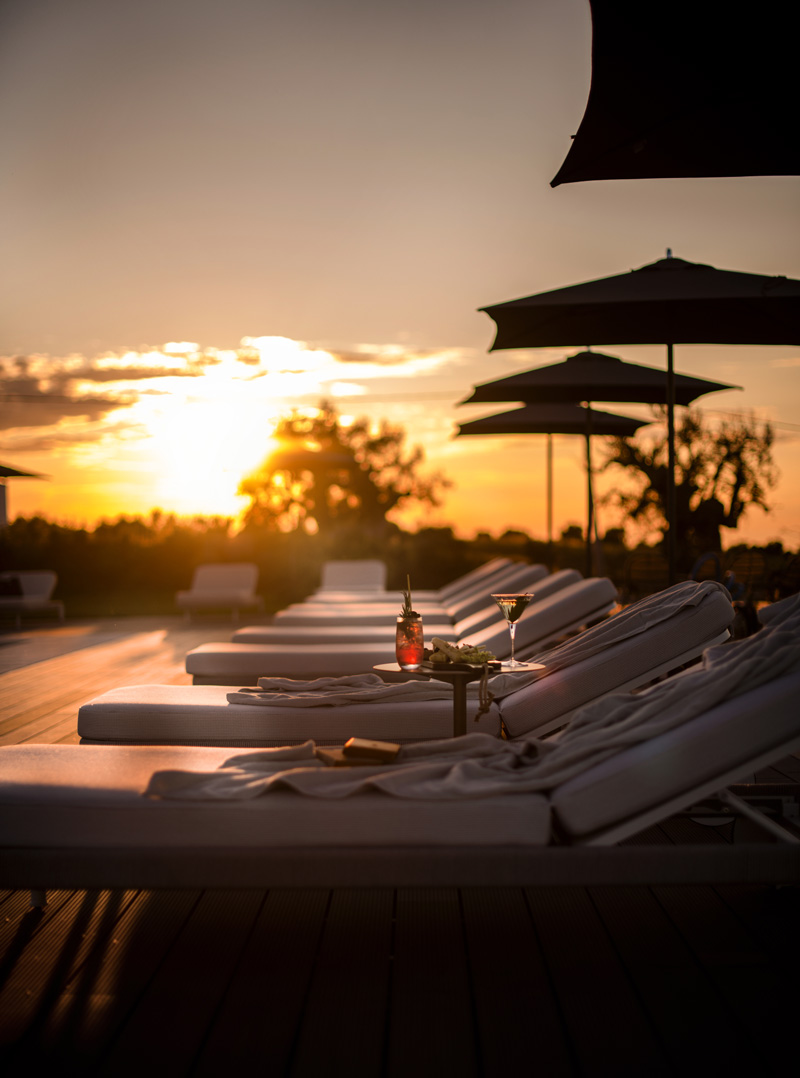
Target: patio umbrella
687 89
593 376
7 472
558 418
670 301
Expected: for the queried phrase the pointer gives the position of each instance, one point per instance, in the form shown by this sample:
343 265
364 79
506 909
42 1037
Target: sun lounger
229 586
442 626
514 577
602 660
358 575
28 593
242 664
493 815
344 592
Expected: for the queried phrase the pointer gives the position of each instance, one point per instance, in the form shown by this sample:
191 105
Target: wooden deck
487 981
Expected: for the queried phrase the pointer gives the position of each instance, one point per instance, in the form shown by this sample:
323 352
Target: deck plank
762 999
343 1028
40 703
167 1025
515 1004
692 1022
431 1024
124 937
608 1026
260 1014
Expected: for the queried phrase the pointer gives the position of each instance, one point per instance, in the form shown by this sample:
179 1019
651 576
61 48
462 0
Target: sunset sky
215 210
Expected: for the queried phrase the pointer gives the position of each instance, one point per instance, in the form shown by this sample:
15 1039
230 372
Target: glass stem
512 628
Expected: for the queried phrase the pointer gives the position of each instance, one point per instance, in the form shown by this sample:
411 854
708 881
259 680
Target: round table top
395 672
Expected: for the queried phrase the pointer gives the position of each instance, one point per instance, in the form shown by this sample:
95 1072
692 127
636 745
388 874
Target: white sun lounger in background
357 575
597 662
76 817
222 586
242 664
514 577
344 592
28 593
353 633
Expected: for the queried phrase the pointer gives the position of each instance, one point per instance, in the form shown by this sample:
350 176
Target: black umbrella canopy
557 418
593 376
7 472
670 301
688 89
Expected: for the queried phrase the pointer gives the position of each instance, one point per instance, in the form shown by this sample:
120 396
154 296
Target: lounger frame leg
738 805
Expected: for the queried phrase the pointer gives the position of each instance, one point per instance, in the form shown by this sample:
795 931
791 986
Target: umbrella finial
669 252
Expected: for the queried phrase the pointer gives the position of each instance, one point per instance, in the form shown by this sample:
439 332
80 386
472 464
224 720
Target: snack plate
494 665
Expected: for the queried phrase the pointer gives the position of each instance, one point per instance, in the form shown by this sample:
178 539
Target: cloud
396 360
346 389
40 391
68 436
25 406
180 348
135 374
281 355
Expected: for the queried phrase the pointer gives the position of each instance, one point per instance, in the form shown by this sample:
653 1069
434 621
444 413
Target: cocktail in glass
512 605
409 646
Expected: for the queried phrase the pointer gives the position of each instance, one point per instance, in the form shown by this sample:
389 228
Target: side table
459 679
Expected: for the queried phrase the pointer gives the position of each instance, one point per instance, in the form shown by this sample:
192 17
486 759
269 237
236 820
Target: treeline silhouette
135 565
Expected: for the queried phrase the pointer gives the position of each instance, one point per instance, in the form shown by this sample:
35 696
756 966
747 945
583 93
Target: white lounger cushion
91 796
722 746
627 663
243 664
201 715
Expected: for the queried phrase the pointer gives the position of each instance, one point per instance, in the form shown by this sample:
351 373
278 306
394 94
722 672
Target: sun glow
204 449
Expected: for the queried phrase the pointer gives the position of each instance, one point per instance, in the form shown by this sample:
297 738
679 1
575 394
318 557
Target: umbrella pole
589 494
672 512
550 499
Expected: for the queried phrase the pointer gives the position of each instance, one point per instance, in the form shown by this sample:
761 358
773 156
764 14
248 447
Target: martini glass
512 606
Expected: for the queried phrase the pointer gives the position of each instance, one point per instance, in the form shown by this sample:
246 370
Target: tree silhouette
720 473
326 476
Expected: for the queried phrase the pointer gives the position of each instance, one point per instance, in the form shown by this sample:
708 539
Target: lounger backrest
534 708
518 576
474 576
36 583
666 773
490 613
553 615
365 573
229 576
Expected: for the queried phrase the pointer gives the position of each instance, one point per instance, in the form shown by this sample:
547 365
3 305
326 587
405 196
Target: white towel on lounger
363 688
